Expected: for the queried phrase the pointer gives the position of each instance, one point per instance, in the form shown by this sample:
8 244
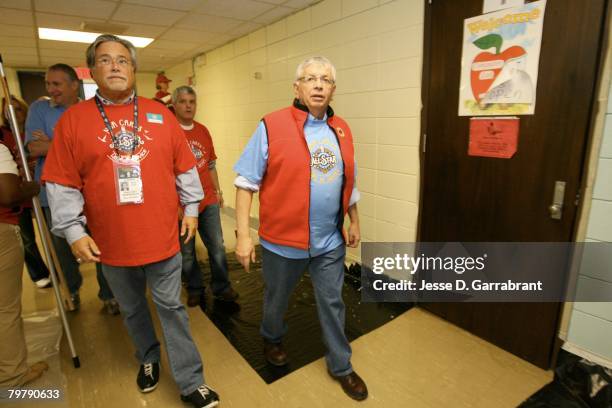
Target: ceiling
181 28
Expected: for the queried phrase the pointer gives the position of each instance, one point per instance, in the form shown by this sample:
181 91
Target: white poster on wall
499 64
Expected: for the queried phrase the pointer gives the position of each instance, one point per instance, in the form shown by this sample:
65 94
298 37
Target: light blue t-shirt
42 116
326 170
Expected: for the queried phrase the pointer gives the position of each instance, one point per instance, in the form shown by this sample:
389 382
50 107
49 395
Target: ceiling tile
62 45
272 1
238 9
160 53
178 34
172 45
16 17
60 55
244 28
183 5
145 30
90 9
274 15
16 4
63 22
147 15
299 4
18 41
6 49
16 30
75 62
203 22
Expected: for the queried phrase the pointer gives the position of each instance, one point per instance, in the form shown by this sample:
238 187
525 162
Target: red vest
284 195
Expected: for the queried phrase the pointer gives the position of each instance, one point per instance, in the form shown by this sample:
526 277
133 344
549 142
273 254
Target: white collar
187 127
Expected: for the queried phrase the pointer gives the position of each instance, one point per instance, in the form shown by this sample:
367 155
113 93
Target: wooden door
466 198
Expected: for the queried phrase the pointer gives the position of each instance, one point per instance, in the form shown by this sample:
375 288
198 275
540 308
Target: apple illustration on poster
486 66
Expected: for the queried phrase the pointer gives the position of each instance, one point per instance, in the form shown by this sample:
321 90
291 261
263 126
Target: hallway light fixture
85 37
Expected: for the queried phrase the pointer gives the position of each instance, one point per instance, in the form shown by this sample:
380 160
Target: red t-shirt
201 145
81 156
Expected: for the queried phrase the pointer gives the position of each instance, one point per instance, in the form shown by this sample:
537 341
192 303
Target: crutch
40 220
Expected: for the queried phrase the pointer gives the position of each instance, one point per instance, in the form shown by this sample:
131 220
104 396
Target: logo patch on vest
340 131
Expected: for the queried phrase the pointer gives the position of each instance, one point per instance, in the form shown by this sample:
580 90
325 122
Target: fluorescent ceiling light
85 37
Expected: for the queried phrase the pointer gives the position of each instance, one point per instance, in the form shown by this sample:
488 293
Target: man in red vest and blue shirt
301 161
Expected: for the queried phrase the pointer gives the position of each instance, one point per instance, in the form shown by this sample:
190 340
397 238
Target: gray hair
318 59
91 50
182 89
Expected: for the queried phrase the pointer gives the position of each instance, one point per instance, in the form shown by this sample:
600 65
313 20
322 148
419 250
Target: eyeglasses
311 80
121 61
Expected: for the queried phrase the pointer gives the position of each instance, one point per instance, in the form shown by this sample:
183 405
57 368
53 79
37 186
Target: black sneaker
76 301
148 377
203 397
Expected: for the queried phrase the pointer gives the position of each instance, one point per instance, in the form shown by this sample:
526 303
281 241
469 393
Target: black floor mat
578 383
240 322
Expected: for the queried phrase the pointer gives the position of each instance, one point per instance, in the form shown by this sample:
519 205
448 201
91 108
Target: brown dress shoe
353 385
275 354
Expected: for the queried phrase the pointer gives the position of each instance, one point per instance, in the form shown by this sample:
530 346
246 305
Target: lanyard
110 128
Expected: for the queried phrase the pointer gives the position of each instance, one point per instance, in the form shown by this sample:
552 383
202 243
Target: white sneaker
43 283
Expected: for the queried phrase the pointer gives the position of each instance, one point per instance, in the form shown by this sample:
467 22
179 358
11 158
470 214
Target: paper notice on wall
499 64
493 137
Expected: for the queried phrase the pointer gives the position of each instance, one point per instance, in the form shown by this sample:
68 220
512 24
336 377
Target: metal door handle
556 208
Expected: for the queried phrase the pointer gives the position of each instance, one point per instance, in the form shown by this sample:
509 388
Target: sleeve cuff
245 184
74 233
355 196
191 210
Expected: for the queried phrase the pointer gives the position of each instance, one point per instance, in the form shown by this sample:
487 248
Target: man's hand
245 251
221 201
40 145
188 227
354 235
85 250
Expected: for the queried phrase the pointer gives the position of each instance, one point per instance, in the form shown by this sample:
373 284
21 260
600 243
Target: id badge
128 181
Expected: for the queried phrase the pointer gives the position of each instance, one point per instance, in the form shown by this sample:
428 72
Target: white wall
590 326
377 49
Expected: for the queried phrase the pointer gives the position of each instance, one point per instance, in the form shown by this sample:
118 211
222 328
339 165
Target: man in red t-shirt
209 221
115 164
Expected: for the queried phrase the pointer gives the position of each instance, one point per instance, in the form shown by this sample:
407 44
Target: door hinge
424 144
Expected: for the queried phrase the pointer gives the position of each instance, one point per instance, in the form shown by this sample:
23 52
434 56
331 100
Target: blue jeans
37 269
209 227
281 275
70 266
164 279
